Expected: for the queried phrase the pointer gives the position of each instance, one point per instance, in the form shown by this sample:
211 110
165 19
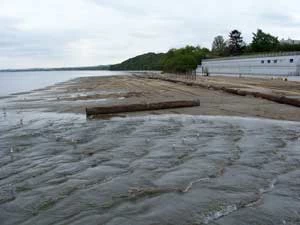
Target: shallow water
63 169
15 82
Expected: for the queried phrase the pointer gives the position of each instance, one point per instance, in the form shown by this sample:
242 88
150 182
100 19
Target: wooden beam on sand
140 107
236 91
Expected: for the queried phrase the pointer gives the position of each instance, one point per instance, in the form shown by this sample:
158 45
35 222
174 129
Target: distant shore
87 68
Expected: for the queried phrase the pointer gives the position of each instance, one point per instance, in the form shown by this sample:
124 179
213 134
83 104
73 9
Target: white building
276 64
290 41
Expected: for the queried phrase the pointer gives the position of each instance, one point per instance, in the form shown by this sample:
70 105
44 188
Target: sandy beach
77 94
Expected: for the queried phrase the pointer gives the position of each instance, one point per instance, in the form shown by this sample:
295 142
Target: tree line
262 42
180 60
187 59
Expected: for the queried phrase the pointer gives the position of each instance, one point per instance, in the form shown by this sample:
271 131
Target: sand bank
78 94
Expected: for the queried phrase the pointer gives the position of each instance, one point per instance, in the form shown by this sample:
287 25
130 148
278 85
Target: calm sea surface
26 81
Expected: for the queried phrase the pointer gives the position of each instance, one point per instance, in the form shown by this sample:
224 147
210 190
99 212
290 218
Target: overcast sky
50 33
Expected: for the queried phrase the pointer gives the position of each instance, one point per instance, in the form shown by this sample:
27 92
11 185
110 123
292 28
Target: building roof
290 41
255 56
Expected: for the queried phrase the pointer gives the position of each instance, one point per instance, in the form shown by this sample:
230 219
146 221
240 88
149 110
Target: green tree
218 46
236 44
264 42
184 59
148 61
180 64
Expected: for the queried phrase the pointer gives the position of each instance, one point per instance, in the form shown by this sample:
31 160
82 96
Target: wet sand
75 95
57 167
146 170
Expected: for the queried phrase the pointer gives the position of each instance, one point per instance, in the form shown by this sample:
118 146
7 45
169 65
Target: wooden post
141 107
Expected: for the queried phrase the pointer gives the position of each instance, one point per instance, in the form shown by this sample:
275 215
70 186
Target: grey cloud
144 35
275 16
123 7
278 18
14 42
109 31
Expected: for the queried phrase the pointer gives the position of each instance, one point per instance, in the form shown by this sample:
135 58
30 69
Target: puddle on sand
62 169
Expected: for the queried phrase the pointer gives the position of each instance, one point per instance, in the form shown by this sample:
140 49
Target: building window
262 61
275 61
269 61
291 60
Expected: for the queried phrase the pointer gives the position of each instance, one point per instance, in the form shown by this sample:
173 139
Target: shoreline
225 156
77 94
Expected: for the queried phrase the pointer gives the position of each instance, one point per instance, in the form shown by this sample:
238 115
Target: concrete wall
287 65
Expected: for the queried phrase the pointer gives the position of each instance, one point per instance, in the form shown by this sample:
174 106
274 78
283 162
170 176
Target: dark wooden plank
141 107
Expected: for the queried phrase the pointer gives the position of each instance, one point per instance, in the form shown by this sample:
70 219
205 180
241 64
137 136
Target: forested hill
148 61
